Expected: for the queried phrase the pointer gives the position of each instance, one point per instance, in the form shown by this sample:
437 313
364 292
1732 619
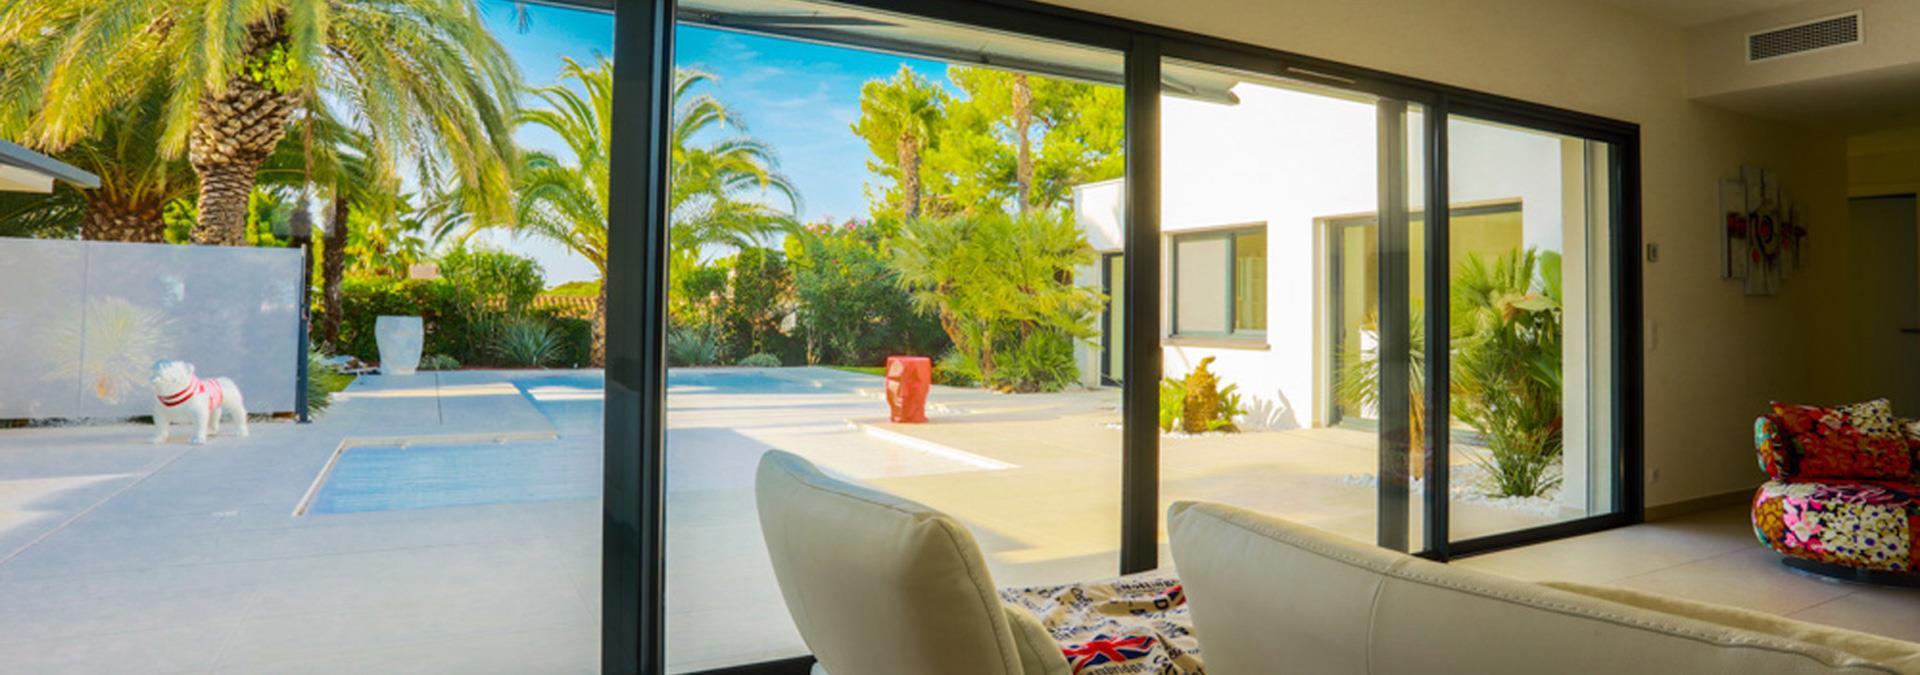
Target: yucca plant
528 342
691 347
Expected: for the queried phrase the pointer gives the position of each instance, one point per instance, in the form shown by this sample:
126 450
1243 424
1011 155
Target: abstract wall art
1763 233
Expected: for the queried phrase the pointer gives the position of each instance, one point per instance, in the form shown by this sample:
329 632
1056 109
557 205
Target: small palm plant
1506 317
1359 385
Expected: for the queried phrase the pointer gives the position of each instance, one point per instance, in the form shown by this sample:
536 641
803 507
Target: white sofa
1272 597
879 585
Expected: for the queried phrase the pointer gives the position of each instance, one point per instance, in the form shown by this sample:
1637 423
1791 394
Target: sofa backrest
879 585
1270 596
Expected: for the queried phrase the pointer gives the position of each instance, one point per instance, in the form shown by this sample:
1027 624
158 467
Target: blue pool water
735 382
387 478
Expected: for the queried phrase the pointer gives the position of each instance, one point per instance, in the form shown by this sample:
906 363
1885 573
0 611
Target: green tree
900 118
136 182
423 78
710 202
998 283
1018 142
850 310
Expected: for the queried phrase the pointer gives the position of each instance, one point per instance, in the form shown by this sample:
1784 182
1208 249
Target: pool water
422 476
681 382
388 478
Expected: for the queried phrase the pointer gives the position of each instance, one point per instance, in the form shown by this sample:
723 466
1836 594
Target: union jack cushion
1125 626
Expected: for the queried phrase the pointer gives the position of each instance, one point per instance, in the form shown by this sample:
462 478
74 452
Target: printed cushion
1850 441
1136 625
1857 524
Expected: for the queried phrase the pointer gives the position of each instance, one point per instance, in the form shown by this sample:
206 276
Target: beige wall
1719 65
1884 163
1714 357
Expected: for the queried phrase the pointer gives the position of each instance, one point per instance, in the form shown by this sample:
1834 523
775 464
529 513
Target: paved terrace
119 556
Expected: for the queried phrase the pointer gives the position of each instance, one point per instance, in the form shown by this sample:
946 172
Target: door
1887 231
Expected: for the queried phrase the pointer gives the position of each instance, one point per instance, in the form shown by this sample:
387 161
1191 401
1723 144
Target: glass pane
441 511
1354 299
1291 171
938 247
1530 311
1250 282
1200 286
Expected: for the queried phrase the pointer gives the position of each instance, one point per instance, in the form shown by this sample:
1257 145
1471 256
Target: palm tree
136 182
424 78
567 202
899 116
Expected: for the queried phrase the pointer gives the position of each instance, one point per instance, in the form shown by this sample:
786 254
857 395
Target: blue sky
797 97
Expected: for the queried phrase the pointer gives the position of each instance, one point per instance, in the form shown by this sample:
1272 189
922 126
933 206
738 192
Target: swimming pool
422 476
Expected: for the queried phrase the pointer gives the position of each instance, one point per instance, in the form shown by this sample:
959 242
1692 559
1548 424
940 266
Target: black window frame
633 638
1234 333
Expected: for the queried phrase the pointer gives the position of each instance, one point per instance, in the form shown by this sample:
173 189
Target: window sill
1258 344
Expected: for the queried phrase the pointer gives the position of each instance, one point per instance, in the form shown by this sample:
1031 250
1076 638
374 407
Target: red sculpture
908 378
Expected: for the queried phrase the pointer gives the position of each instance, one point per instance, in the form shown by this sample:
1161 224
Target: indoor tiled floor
1711 556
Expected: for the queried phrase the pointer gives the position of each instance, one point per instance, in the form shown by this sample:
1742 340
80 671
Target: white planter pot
400 339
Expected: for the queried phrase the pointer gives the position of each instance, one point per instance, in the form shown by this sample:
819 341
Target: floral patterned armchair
1843 499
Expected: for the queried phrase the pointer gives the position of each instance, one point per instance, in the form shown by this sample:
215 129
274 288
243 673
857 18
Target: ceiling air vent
1801 38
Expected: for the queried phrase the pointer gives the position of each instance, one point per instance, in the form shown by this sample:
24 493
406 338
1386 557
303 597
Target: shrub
439 306
493 280
761 360
1197 403
758 298
439 362
691 347
1042 361
954 369
851 308
996 282
322 382
527 342
573 337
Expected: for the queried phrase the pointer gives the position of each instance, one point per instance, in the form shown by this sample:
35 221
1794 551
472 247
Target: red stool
908 378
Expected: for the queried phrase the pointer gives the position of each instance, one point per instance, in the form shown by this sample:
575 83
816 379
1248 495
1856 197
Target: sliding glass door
1396 311
1265 187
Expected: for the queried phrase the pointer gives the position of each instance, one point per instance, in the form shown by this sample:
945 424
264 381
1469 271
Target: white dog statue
185 399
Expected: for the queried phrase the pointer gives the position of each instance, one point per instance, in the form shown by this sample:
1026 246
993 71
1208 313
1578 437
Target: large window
1301 320
1220 283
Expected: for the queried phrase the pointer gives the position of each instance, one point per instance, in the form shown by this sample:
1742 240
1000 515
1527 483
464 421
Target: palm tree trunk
1022 125
909 149
233 134
333 268
598 358
108 220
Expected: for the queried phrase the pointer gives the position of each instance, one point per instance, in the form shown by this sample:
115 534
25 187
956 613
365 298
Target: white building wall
1284 158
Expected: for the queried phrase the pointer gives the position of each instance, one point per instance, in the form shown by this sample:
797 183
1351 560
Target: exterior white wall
81 323
1284 158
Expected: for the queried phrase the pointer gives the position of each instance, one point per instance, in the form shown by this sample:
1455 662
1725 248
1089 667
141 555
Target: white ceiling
1687 13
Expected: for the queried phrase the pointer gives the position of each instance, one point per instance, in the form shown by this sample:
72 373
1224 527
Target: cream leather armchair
1270 596
879 585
